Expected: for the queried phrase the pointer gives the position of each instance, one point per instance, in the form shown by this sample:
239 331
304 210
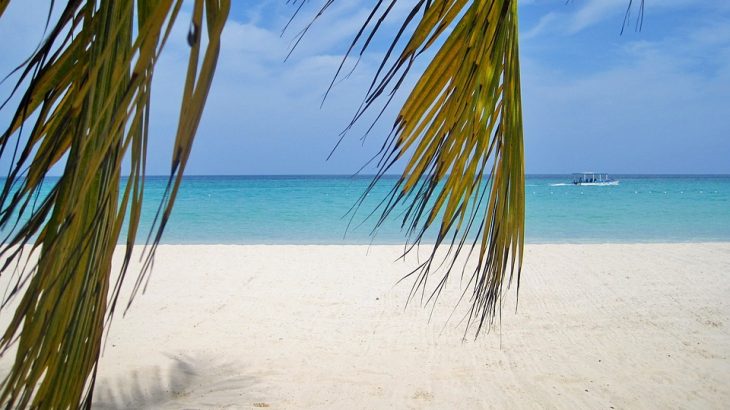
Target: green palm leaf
86 97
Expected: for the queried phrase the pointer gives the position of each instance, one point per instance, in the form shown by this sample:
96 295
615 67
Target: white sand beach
598 326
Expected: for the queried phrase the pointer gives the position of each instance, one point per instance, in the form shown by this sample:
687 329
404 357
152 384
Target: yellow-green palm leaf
460 135
85 96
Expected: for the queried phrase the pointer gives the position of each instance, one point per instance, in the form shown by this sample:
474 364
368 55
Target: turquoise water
313 210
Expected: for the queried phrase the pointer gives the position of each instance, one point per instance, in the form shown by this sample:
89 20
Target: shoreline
427 244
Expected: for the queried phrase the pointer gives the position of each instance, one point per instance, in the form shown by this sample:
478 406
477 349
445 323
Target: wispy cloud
658 106
577 16
262 106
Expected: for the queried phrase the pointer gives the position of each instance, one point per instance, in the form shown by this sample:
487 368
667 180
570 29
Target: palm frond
460 135
84 96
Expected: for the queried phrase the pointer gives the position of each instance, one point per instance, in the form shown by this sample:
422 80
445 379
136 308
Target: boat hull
608 183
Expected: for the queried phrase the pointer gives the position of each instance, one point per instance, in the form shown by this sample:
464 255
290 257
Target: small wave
560 184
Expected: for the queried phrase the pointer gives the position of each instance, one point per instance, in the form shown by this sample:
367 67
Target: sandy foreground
598 326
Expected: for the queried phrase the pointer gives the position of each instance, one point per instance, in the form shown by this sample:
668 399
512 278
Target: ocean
314 210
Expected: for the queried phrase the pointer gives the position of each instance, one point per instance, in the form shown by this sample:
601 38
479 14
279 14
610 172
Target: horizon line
625 174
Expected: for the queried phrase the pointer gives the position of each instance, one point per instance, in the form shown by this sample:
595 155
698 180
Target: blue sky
655 101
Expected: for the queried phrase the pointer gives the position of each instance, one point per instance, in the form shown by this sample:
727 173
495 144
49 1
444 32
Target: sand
598 326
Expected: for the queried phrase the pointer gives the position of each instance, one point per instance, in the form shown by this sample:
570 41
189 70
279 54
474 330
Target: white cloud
263 107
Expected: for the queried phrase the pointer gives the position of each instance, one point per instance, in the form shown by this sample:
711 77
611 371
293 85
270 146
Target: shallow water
314 209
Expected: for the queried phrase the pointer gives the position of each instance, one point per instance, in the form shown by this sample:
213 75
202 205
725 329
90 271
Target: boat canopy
591 177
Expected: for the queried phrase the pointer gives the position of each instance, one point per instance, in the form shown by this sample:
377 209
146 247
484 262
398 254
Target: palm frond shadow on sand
187 381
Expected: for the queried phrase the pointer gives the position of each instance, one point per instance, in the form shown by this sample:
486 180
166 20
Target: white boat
593 179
